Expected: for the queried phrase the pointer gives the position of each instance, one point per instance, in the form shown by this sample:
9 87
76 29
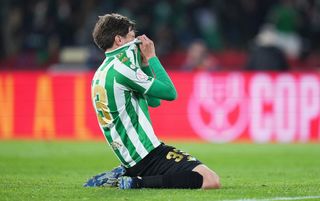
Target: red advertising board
217 107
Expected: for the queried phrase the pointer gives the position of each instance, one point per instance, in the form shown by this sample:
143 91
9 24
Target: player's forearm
168 88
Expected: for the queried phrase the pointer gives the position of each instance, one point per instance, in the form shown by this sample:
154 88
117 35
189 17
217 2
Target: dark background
34 32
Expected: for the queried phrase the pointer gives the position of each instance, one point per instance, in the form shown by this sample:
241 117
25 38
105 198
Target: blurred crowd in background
188 34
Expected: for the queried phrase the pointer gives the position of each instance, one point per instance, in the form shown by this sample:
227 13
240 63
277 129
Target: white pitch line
278 198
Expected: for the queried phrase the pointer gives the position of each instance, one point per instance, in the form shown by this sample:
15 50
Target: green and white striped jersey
118 95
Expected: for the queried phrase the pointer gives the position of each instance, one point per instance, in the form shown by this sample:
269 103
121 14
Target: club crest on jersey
141 75
122 57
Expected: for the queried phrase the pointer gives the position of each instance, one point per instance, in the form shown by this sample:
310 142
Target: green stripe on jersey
107 134
144 106
115 114
134 56
106 63
134 118
125 80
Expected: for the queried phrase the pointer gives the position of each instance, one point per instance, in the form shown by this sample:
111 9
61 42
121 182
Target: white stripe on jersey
101 76
145 124
131 56
122 149
131 74
126 121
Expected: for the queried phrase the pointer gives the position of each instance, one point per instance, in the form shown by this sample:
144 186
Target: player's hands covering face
147 48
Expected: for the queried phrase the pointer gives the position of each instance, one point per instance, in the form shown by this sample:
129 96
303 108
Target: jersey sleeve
162 87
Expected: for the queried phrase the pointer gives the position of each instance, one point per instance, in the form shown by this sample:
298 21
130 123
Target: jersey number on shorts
178 155
174 155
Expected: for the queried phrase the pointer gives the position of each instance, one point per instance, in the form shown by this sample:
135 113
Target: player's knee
211 181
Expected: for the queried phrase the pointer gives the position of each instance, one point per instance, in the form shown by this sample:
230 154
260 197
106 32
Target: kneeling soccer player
130 79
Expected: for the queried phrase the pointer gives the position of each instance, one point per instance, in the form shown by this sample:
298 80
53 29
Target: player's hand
147 48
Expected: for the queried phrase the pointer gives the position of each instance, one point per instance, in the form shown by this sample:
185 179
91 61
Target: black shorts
163 160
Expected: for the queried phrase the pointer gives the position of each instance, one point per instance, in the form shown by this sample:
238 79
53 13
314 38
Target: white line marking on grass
277 198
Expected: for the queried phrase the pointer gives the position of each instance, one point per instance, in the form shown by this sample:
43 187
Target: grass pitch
56 171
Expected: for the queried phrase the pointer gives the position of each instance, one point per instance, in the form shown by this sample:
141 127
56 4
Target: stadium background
244 70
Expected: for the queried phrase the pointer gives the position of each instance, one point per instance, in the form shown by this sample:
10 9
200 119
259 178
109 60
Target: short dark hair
109 26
